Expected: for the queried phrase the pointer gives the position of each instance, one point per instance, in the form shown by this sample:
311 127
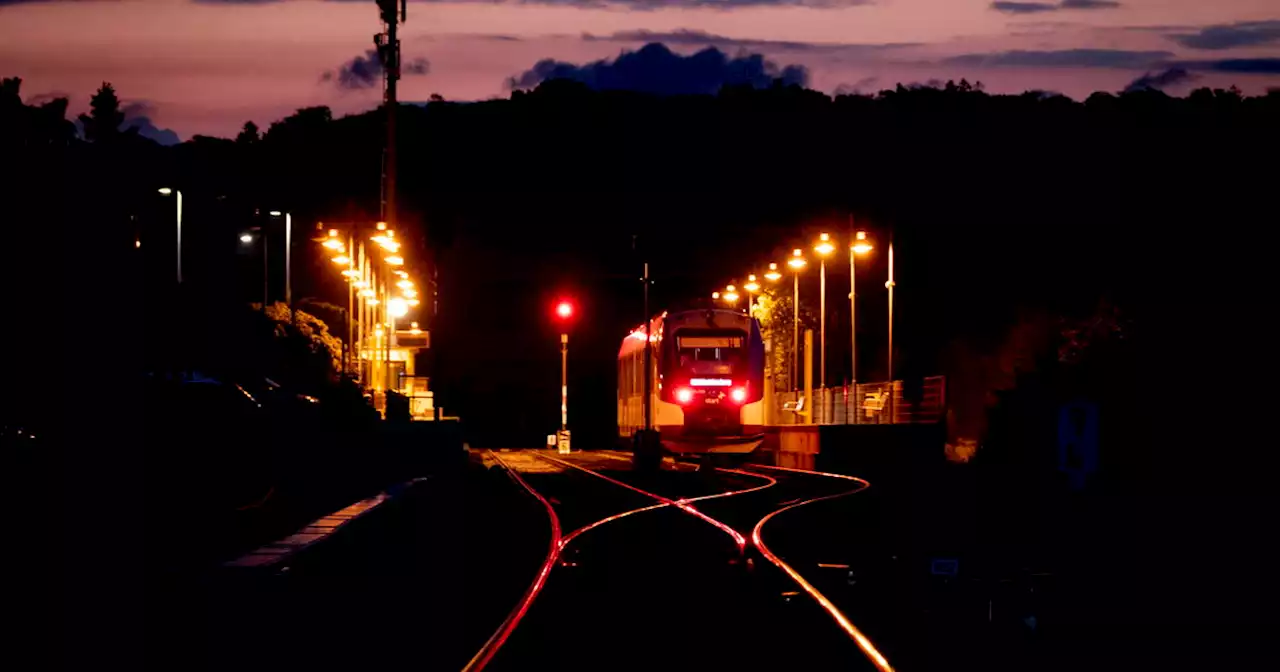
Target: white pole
853 337
179 237
564 383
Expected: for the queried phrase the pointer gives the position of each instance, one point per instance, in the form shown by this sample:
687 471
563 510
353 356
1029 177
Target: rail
499 636
864 643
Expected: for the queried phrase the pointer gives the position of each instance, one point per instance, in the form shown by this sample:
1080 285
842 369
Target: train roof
635 340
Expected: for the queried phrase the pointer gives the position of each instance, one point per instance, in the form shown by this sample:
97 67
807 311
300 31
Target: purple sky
207 67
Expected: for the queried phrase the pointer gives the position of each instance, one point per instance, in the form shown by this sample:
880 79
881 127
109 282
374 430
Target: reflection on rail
499 637
843 621
683 504
769 483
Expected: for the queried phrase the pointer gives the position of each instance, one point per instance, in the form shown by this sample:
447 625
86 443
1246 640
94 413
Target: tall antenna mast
393 13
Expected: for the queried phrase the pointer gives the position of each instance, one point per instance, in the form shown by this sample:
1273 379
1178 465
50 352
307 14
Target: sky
207 66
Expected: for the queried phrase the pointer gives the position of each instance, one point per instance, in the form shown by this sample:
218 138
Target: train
706 380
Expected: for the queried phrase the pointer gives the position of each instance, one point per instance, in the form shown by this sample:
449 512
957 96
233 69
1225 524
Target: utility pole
393 12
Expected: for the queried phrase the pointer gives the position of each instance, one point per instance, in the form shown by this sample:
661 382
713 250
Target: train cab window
723 347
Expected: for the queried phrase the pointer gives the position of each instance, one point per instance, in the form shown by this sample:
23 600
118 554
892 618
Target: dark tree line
1002 209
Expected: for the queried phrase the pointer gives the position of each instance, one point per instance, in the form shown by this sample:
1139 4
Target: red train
707 382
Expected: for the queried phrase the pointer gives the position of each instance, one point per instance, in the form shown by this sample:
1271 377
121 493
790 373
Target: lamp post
165 191
751 288
288 260
823 248
889 285
860 245
797 263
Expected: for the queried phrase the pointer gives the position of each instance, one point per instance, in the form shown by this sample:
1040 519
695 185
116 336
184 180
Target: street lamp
824 248
730 295
773 275
752 287
246 238
889 285
165 191
797 264
860 245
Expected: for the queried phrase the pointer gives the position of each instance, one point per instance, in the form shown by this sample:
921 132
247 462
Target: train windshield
711 346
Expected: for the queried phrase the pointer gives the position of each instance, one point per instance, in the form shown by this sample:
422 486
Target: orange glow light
860 243
824 246
797 259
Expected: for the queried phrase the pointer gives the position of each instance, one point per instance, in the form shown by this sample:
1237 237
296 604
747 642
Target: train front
712 391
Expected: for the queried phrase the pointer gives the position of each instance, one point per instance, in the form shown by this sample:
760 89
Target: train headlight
739 394
684 395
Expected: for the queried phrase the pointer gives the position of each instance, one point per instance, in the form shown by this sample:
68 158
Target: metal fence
867 404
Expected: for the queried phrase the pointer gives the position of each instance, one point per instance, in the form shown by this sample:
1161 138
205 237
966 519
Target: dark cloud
1244 66
42 98
656 69
1039 7
1066 58
1023 7
644 5
859 87
1246 34
1089 4
365 71
693 37
137 116
1160 80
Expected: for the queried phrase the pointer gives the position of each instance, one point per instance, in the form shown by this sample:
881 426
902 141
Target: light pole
165 191
751 287
889 285
288 261
860 245
823 248
797 263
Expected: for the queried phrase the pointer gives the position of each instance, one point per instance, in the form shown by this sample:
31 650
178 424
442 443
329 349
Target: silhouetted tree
104 117
249 134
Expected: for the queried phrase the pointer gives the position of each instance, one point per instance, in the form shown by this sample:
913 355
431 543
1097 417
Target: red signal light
684 395
739 394
564 310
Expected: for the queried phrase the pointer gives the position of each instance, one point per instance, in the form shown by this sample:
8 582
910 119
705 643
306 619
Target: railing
869 404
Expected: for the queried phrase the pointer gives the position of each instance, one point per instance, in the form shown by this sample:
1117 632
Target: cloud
1066 58
138 114
694 37
633 5
1245 66
1161 80
365 71
1245 34
859 87
1023 7
1039 7
1089 4
656 69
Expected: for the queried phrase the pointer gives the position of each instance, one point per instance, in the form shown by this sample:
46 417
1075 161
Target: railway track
699 602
